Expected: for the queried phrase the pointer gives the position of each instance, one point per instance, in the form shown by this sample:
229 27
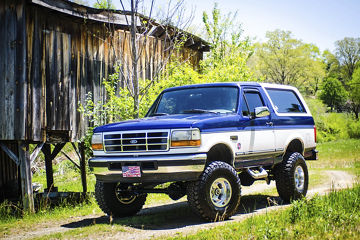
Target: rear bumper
159 168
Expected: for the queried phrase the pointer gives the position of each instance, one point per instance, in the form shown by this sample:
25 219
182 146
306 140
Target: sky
321 22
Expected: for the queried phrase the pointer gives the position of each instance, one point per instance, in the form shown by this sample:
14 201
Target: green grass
338 155
335 216
96 231
10 223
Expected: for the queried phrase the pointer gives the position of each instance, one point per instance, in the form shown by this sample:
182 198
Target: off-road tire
285 177
109 203
199 196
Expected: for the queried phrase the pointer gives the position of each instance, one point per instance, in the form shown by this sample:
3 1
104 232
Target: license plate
131 171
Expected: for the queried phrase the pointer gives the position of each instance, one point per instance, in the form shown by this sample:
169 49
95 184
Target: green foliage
354 129
227 60
104 4
332 126
348 54
354 93
333 93
285 60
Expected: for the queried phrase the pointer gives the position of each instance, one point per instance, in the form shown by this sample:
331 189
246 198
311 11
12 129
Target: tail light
314 133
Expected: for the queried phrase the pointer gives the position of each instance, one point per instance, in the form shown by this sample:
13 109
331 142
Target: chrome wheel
299 177
123 197
220 192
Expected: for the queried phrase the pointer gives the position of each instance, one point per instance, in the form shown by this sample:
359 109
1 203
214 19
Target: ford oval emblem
133 141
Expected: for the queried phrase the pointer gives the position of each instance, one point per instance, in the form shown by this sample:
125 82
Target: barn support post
83 166
49 156
48 168
26 178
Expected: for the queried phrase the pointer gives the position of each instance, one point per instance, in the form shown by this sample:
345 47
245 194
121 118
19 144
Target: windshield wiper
159 114
196 110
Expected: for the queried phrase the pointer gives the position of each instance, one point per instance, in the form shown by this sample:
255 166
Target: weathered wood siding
13 85
51 60
9 175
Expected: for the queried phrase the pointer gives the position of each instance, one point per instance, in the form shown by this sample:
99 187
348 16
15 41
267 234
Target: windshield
197 100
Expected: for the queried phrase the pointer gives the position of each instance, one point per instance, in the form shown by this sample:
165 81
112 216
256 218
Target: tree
332 64
333 93
227 60
348 54
354 92
286 60
104 4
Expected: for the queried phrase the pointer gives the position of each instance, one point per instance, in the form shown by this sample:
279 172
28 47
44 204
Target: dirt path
171 219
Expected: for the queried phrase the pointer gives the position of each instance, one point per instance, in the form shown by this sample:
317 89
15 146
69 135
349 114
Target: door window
251 100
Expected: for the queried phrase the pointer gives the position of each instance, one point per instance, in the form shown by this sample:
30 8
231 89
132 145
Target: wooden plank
3 47
43 109
50 64
21 84
35 47
36 152
66 62
9 86
59 83
73 89
26 179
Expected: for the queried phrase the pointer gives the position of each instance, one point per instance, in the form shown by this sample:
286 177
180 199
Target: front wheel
216 195
292 178
114 201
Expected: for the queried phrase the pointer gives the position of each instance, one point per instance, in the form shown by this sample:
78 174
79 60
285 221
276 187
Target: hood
201 121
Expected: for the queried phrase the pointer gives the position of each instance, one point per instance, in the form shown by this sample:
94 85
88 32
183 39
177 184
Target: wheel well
295 146
220 152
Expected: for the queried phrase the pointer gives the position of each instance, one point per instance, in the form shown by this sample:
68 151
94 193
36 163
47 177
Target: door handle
269 124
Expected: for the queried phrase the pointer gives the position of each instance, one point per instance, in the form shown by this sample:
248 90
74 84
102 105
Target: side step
259 174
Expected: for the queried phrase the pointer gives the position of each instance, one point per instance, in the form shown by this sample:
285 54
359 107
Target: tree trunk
135 80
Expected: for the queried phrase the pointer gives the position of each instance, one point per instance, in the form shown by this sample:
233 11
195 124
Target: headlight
97 142
185 138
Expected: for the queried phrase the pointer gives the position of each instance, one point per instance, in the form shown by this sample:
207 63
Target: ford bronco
205 141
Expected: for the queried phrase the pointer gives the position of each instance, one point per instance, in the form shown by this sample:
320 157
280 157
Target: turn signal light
186 143
97 146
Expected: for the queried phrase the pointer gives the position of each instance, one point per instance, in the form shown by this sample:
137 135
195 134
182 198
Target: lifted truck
206 140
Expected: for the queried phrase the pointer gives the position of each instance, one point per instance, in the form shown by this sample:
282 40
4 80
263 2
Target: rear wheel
114 200
216 195
292 177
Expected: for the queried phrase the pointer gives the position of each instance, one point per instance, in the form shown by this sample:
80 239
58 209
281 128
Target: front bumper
155 168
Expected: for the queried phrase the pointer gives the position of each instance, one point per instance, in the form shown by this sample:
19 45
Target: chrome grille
136 141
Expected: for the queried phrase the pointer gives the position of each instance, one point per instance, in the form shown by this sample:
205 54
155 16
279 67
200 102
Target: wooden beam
76 165
36 152
10 153
46 149
83 166
26 179
76 150
56 150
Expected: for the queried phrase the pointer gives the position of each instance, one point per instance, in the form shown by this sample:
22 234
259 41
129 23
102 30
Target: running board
257 175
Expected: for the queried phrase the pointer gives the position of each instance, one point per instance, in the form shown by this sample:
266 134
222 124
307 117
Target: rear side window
286 101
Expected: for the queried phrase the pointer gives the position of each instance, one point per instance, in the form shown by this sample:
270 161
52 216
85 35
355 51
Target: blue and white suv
206 140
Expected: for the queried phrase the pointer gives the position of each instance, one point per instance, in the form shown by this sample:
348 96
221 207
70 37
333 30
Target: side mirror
261 112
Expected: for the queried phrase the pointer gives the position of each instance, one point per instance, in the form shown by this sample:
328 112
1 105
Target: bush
354 129
332 126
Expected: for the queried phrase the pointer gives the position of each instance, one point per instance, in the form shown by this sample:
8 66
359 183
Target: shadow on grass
176 215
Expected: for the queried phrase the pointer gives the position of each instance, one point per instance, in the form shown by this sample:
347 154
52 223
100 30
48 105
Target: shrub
332 126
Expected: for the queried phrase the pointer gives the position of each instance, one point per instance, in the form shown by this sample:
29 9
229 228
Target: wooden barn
52 53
